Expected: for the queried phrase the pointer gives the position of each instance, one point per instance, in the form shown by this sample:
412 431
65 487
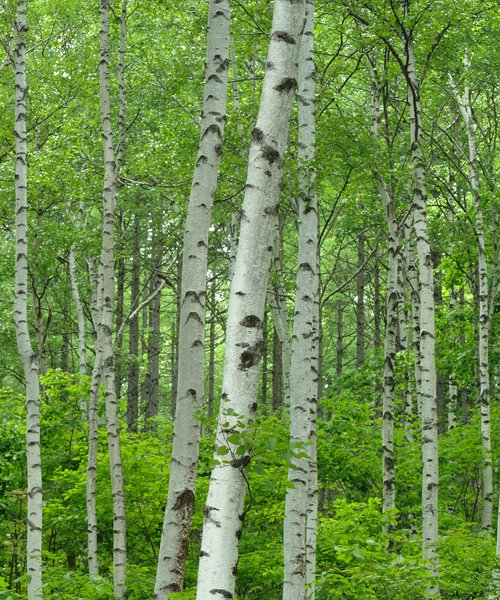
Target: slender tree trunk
392 316
277 301
277 372
430 484
211 352
412 275
29 359
484 313
82 346
360 301
452 382
191 372
120 289
340 339
377 339
265 355
133 350
106 322
223 513
299 533
151 396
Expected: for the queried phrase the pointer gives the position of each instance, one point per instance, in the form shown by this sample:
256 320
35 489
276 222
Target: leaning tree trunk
29 359
105 328
484 313
299 532
191 371
224 514
430 484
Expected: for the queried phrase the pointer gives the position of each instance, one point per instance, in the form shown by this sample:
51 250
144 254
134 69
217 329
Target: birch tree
430 483
224 514
191 335
105 328
392 306
25 349
465 106
299 534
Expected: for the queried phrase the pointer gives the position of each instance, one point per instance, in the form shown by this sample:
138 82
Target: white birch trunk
224 506
392 316
430 483
105 328
29 359
495 586
191 366
299 532
452 383
484 315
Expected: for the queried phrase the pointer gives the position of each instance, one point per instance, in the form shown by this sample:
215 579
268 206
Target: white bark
430 484
464 104
224 506
495 586
392 316
105 328
452 383
29 359
191 366
299 532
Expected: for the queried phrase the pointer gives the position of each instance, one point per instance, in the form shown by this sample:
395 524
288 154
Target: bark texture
464 104
191 372
105 328
299 533
224 506
428 384
25 349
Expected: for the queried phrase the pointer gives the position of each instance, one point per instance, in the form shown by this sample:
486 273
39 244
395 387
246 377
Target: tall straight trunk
82 346
224 513
277 372
495 591
392 316
276 298
151 396
133 349
360 300
105 328
91 482
430 483
265 354
484 313
25 349
377 339
299 531
120 298
452 381
211 352
340 339
412 276
405 341
191 371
